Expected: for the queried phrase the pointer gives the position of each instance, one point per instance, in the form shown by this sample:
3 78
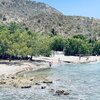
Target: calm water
82 81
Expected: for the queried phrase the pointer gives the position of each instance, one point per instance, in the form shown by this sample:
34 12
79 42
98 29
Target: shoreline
14 67
9 71
57 59
10 68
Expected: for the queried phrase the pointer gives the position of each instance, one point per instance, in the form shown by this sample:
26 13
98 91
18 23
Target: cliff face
42 18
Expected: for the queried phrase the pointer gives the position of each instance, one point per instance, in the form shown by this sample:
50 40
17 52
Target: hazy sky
90 8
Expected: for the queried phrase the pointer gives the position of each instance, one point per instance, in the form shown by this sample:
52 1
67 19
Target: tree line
18 42
77 45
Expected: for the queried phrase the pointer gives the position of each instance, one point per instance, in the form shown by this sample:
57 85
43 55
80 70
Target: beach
60 82
13 67
9 71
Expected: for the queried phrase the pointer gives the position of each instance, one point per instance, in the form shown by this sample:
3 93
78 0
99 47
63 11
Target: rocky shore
9 70
9 73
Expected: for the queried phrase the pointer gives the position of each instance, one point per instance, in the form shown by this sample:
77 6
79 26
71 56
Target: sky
88 8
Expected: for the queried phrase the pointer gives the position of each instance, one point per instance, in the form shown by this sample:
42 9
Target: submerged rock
52 90
26 87
60 91
66 93
43 87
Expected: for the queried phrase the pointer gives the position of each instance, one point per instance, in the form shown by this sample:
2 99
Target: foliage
57 43
17 41
43 46
75 46
80 36
96 48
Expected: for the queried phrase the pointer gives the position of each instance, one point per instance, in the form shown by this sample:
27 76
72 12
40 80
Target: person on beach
96 58
79 57
87 58
59 61
50 64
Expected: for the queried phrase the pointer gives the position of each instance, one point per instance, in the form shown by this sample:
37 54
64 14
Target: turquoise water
82 81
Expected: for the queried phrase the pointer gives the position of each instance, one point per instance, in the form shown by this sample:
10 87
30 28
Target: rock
60 91
52 90
13 77
7 77
37 84
14 85
31 79
47 82
26 87
58 80
66 93
2 82
43 87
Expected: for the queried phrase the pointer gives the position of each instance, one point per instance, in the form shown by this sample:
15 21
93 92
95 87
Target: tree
80 36
12 27
42 46
4 44
75 46
18 41
57 43
96 48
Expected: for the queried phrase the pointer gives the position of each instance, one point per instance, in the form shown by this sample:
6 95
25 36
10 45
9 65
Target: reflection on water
82 81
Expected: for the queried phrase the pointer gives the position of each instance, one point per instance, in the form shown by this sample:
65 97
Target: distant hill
42 18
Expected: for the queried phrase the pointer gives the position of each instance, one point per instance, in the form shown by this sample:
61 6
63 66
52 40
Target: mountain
42 18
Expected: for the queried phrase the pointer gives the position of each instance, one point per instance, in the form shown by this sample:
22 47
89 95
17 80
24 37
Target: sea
81 81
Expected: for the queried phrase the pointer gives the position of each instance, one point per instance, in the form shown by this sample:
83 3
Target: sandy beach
14 67
69 59
75 59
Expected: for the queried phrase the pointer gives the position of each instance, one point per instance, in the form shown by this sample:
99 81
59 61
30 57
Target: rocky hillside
42 18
